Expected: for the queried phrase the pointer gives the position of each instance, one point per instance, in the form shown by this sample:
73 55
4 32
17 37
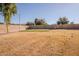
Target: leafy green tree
40 21
7 10
29 23
62 20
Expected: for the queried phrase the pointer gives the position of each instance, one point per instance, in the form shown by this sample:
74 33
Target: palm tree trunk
7 27
6 24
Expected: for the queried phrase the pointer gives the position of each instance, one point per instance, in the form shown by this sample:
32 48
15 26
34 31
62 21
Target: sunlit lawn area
36 30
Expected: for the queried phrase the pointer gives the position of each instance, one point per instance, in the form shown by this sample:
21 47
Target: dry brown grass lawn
53 42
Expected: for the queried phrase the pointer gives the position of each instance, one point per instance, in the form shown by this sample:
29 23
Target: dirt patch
53 42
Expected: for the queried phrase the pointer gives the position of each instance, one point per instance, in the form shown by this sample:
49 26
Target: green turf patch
35 30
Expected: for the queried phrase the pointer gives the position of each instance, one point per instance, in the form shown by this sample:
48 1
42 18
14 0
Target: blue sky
50 11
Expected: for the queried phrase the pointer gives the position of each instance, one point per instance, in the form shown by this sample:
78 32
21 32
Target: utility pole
19 20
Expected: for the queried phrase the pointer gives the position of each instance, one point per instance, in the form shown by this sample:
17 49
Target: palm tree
7 9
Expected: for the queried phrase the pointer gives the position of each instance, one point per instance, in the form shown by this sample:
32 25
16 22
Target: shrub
40 21
29 23
62 20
